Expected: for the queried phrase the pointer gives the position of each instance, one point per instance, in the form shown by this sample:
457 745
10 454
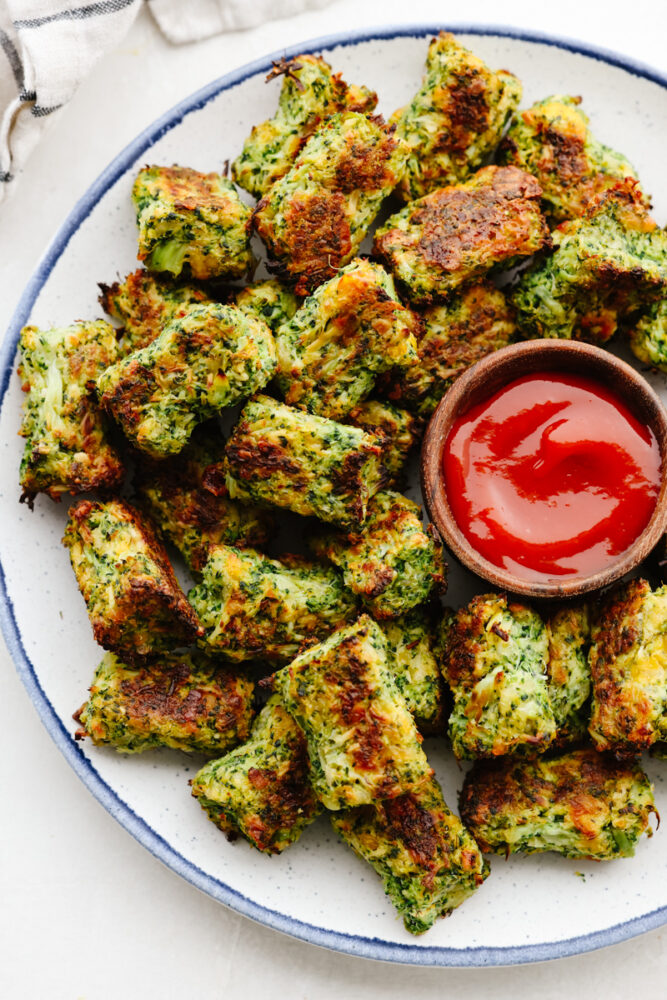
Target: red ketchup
552 476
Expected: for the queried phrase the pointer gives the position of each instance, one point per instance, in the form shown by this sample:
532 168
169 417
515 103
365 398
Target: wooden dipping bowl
486 378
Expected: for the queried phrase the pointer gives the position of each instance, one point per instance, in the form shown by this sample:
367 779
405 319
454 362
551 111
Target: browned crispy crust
514 788
249 461
142 602
410 824
155 691
622 610
446 356
497 218
191 504
463 645
566 152
619 722
465 344
348 482
563 153
148 311
130 394
347 675
317 237
467 229
283 802
191 191
365 167
285 797
468 111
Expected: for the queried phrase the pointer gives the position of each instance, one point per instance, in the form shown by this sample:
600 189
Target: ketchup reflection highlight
551 476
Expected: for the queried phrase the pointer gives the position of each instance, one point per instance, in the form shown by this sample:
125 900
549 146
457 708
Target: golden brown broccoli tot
628 661
581 804
262 789
552 140
459 233
134 602
351 328
181 700
495 660
428 862
455 120
67 448
314 218
191 223
362 741
455 335
212 357
607 268
392 563
310 93
311 465
254 607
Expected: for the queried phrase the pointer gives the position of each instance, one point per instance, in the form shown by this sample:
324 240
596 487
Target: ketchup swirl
552 476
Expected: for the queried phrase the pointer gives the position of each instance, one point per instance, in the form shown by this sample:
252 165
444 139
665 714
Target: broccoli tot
212 357
459 233
348 330
568 673
581 804
311 465
66 448
392 563
552 140
456 335
310 93
396 432
648 337
191 223
270 301
145 304
608 266
628 661
428 862
184 701
189 516
455 120
262 789
495 661
255 607
412 658
314 218
134 602
362 741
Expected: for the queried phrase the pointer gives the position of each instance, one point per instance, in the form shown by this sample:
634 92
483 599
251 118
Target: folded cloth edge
181 23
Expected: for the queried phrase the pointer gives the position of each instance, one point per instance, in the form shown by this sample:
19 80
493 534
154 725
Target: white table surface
85 911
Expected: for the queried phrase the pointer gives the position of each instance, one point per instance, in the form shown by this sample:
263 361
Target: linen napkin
49 46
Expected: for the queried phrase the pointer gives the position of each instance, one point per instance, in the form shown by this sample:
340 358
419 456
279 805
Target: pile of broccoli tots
309 681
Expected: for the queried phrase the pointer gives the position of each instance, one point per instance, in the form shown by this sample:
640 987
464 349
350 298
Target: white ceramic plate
530 908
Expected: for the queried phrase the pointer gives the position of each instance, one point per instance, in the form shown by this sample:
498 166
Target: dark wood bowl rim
491 374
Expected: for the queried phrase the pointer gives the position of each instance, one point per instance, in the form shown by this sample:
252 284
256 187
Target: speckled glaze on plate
530 908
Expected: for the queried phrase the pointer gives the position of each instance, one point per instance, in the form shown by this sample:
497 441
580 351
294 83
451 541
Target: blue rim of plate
365 947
